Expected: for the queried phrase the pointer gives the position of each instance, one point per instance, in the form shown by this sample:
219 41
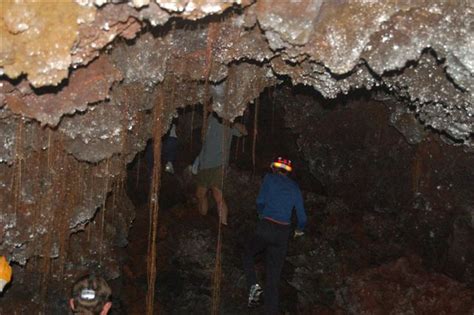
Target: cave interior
372 101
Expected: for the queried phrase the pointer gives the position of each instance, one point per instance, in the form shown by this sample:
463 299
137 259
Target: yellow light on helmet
5 273
282 166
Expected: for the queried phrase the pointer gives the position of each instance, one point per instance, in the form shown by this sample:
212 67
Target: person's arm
261 196
240 128
300 211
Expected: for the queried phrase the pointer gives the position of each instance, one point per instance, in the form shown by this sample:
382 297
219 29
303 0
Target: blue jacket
278 196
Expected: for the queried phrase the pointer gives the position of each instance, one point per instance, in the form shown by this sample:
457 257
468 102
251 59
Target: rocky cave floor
334 269
187 248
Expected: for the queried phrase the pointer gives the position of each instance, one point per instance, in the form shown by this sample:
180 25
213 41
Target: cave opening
372 102
353 161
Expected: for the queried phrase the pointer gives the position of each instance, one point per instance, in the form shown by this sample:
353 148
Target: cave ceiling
93 70
419 50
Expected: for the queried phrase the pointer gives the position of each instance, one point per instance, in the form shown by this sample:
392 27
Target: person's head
91 295
282 166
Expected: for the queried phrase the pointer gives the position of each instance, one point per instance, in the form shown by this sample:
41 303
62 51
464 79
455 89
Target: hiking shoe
255 295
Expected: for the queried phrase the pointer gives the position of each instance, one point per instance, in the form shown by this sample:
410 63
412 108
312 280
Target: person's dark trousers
273 239
170 148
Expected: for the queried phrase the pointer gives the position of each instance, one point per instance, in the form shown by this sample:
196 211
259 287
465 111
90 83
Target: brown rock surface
37 39
85 86
403 287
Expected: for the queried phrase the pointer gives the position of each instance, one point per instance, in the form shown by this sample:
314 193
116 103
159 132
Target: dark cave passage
371 101
353 163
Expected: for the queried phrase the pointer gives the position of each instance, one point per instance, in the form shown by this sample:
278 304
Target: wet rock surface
46 59
84 87
63 184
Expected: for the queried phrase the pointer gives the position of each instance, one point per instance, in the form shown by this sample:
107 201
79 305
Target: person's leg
203 183
254 245
216 182
173 149
221 204
166 149
201 194
274 259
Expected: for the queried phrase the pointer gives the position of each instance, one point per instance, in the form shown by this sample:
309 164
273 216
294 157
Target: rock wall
390 194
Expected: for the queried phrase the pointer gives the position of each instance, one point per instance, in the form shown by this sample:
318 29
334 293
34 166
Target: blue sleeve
300 211
262 194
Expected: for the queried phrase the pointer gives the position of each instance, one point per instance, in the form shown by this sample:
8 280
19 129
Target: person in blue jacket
278 195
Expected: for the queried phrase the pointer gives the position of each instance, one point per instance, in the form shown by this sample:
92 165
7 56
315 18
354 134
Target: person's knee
201 192
217 193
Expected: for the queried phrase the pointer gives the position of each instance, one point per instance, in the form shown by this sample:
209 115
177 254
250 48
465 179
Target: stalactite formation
255 133
154 207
